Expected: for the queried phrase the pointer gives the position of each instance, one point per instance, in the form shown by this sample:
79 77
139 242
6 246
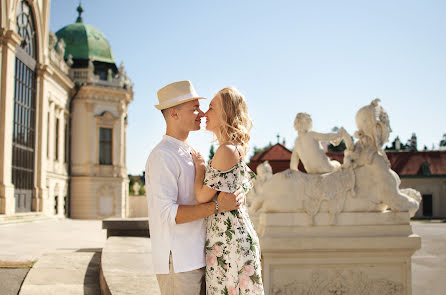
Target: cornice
9 37
48 71
104 94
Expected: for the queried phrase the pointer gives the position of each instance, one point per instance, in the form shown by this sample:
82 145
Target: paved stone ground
429 263
29 241
26 242
23 243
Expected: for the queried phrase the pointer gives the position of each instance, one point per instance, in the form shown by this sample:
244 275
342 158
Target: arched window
25 28
24 109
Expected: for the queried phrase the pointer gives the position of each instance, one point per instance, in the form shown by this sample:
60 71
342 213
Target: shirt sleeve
162 174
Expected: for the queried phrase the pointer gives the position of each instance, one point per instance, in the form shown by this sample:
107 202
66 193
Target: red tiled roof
276 152
403 163
409 163
278 156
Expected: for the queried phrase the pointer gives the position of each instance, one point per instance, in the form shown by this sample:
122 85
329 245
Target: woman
232 245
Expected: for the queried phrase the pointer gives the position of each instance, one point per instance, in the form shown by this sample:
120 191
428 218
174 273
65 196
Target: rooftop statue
363 183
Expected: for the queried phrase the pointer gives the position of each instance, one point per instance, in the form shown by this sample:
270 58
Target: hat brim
172 104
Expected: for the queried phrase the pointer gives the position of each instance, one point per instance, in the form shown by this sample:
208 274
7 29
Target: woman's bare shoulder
226 157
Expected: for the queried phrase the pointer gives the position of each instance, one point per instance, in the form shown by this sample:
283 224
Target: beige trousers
182 283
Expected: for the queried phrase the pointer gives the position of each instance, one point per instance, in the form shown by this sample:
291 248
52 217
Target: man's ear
173 113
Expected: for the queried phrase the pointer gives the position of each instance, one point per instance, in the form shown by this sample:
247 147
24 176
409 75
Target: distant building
63 117
424 171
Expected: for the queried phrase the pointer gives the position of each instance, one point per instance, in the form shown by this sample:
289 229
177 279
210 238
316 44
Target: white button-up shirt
170 174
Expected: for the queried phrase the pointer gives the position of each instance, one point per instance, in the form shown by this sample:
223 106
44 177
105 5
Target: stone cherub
308 148
264 173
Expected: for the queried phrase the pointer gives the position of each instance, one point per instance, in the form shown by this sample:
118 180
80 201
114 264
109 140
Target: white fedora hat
176 93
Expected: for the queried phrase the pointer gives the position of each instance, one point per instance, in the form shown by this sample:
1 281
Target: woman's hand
198 160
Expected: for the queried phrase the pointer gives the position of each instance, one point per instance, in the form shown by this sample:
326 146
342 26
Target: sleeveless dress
232 246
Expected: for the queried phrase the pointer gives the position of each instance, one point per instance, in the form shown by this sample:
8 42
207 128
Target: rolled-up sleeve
163 172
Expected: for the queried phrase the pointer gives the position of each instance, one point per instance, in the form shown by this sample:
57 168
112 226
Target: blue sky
326 58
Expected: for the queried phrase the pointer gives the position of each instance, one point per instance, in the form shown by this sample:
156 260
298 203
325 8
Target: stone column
8 42
364 253
41 133
120 124
51 112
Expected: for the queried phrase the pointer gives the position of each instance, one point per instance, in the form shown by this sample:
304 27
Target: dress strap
240 155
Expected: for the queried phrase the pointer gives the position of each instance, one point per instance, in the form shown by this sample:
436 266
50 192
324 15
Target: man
177 225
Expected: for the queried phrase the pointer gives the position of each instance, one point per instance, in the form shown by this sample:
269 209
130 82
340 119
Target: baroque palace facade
63 117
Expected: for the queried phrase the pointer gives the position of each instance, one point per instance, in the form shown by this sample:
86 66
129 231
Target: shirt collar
178 142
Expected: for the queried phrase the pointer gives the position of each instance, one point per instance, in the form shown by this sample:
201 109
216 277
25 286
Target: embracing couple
203 241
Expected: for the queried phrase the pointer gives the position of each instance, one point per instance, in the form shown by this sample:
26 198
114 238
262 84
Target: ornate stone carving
52 40
70 61
340 282
60 47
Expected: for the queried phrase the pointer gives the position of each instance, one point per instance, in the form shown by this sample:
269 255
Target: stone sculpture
264 173
363 183
308 148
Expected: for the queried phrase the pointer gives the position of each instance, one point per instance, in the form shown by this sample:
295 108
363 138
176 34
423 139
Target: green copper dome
84 41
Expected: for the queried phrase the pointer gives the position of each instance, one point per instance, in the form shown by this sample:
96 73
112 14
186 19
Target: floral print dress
232 246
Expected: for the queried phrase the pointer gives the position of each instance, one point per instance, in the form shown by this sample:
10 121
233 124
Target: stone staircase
126 267
69 273
123 266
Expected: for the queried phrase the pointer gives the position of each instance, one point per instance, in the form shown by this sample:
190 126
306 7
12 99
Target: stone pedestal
364 253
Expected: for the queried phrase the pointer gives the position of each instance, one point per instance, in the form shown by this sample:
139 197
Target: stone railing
87 76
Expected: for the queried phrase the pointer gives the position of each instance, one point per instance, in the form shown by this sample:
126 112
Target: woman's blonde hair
236 121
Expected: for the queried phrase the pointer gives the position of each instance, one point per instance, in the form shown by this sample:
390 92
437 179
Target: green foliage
339 148
443 141
257 150
211 152
136 179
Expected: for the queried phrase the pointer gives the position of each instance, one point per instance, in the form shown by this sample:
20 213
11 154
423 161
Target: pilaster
8 42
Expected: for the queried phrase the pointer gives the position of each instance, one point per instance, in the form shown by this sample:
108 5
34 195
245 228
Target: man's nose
200 113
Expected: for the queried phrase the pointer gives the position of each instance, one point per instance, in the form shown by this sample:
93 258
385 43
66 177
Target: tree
211 152
396 145
340 147
443 142
257 150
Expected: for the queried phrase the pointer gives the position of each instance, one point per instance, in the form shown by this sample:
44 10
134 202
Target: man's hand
227 202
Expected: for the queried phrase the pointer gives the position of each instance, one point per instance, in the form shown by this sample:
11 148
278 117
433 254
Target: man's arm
188 213
162 172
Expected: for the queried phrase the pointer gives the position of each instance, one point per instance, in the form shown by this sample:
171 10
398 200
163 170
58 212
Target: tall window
23 143
56 142
105 146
